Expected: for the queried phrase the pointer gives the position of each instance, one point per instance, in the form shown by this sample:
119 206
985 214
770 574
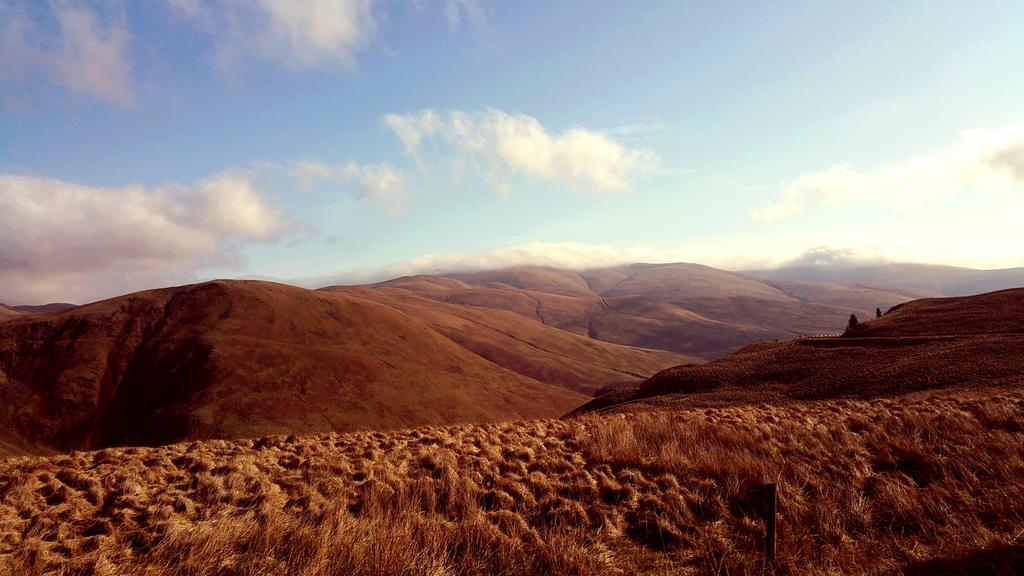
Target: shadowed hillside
41 308
243 358
923 344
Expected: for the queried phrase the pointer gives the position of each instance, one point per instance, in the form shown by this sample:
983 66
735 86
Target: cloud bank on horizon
358 140
576 256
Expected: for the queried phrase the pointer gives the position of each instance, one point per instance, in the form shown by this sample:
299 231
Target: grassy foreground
926 483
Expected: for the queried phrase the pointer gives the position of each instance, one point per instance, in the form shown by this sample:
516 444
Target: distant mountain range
698 310
250 358
924 279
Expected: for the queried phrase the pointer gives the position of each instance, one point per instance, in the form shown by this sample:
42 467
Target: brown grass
905 484
999 312
826 368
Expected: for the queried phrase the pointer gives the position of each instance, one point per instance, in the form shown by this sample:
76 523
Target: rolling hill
1000 312
41 308
685 308
924 344
246 358
523 345
895 448
243 358
6 313
923 279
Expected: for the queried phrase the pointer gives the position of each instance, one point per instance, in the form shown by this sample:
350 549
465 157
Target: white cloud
983 162
566 255
458 10
62 240
828 257
556 254
87 54
738 254
502 146
382 184
228 203
299 34
1011 158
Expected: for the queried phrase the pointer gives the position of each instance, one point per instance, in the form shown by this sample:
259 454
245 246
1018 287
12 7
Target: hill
244 358
523 345
927 343
896 448
999 312
923 279
689 309
40 308
6 313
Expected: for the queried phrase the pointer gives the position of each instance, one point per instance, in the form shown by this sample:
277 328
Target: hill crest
924 344
243 358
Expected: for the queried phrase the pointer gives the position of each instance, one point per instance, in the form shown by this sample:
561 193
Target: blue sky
153 143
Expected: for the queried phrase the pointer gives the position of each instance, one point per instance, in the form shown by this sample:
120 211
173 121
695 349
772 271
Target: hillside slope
6 313
523 345
999 312
924 279
243 358
689 309
41 308
930 343
12 311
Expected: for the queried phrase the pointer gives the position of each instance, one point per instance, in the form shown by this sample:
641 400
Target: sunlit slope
999 312
524 345
690 309
924 279
929 343
244 358
6 313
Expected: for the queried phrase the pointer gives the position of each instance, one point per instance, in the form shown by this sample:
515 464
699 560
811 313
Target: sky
147 144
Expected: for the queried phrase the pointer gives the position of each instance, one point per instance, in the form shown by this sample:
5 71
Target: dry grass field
930 482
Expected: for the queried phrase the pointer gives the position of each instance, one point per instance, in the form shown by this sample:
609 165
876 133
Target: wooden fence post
769 537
